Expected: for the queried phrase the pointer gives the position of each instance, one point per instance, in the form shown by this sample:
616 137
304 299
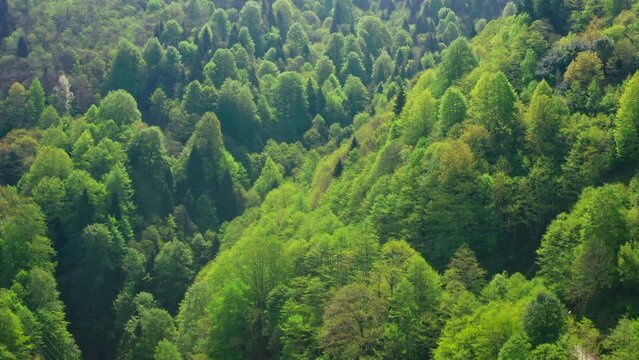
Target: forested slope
325 179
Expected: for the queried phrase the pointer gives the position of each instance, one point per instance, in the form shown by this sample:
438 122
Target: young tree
465 270
270 178
36 99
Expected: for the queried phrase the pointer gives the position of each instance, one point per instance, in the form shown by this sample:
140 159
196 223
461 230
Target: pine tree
400 101
205 39
23 47
36 99
5 19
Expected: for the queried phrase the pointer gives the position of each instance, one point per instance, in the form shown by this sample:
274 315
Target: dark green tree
125 69
150 173
291 105
172 273
545 319
22 49
5 19
238 114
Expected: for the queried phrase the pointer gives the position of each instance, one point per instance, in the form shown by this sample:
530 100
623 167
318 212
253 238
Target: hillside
326 179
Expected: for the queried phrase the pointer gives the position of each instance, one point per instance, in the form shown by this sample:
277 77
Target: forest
319 179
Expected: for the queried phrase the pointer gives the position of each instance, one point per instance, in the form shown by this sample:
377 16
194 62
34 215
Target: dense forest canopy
323 179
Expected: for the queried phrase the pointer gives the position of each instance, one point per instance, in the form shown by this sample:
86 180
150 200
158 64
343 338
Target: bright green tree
452 109
627 121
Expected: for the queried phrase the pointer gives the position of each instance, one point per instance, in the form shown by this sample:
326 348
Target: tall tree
545 319
291 105
207 171
172 273
238 114
493 106
36 99
91 287
150 172
5 19
627 122
452 109
125 69
457 60
221 67
543 122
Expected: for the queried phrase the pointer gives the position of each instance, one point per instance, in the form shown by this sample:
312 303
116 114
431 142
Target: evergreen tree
400 102
23 47
5 19
37 99
205 39
465 270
